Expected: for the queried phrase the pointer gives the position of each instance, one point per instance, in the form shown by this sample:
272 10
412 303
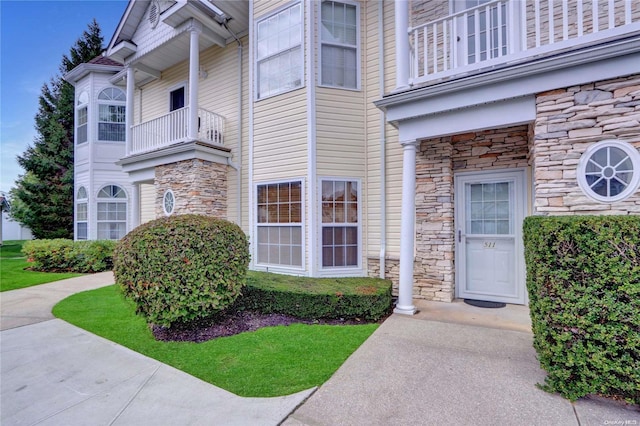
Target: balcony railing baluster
172 128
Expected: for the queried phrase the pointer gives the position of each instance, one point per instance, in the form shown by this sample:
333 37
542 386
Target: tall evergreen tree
44 194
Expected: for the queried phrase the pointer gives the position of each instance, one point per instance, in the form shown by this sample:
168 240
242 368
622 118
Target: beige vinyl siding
218 93
393 150
147 202
263 8
340 137
155 95
280 137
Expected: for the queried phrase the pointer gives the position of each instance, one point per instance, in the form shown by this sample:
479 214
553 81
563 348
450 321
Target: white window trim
266 267
358 49
124 200
303 32
108 102
175 87
79 107
340 271
85 201
634 184
164 201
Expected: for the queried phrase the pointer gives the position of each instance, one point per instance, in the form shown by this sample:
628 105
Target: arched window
81 214
111 115
112 213
82 118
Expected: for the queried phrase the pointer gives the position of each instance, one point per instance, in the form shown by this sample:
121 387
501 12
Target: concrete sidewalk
450 363
419 371
56 374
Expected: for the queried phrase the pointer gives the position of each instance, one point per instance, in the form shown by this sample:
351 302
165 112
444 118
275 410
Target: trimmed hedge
62 255
182 268
317 298
583 279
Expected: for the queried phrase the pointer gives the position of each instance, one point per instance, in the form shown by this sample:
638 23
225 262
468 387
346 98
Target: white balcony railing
504 31
173 128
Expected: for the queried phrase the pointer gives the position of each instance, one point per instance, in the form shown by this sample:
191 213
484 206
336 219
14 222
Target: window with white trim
340 224
112 213
81 214
111 115
609 171
82 118
339 45
279 227
168 202
177 98
279 55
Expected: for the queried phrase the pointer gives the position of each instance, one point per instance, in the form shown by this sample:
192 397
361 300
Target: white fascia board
173 154
83 70
122 51
581 67
507 112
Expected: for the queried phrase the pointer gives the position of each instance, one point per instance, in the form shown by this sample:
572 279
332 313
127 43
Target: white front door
489 261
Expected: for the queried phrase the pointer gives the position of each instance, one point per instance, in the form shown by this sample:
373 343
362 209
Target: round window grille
609 171
168 202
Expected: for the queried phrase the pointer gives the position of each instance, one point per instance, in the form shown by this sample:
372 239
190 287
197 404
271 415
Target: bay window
339 45
279 227
340 224
279 52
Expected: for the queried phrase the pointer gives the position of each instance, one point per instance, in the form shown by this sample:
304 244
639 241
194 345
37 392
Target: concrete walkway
449 364
56 374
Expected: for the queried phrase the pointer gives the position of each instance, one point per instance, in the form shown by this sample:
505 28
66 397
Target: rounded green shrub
182 268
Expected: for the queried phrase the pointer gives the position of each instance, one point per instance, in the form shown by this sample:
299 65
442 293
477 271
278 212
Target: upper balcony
173 128
506 32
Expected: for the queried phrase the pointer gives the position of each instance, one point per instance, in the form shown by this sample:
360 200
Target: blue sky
33 37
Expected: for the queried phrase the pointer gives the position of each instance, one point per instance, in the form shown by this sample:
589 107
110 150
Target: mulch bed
234 323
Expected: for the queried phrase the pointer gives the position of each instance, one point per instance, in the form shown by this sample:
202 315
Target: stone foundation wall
437 160
568 122
198 186
392 271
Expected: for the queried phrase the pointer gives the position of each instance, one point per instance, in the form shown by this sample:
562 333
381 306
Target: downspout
250 213
238 167
383 147
311 139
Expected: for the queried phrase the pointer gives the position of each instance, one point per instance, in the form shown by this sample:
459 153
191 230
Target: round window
168 202
609 171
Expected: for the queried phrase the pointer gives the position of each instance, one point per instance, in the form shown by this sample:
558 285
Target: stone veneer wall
392 271
437 161
569 121
199 187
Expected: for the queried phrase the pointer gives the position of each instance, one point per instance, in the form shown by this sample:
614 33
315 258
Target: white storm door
489 254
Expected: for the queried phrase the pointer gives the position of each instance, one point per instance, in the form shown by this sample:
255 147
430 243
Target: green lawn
272 361
12 269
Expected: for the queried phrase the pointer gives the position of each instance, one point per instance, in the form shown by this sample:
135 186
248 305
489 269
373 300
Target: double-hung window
339 45
279 52
340 224
112 213
111 115
81 214
279 225
82 118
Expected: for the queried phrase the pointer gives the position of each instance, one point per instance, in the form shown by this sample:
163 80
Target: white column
194 68
402 44
129 110
135 206
407 229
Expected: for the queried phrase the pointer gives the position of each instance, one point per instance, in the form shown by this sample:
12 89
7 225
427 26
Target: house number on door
490 244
